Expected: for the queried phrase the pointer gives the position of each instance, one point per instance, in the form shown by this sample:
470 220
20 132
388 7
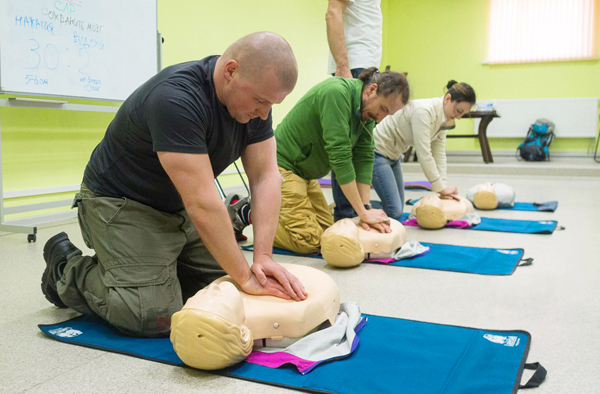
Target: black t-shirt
177 110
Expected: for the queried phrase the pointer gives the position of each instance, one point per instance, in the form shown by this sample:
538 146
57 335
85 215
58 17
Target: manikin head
254 73
217 326
208 333
346 243
382 94
459 100
433 212
491 195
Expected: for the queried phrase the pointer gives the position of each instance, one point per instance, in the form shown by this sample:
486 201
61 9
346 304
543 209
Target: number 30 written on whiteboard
50 56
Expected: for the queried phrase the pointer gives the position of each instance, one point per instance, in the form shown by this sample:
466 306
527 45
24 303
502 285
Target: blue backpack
538 139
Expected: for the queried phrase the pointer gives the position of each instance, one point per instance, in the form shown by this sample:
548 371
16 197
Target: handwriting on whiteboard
42 56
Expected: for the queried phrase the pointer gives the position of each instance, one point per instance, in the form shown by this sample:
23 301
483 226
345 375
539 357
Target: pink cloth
384 261
329 345
275 360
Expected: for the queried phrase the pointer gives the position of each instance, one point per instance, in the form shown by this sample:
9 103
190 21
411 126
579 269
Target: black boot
56 251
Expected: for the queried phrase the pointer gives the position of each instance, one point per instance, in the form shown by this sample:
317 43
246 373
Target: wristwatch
368 206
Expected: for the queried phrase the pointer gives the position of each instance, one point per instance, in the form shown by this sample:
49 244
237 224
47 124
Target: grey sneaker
234 203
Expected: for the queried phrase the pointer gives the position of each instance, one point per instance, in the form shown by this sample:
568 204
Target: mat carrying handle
527 261
537 378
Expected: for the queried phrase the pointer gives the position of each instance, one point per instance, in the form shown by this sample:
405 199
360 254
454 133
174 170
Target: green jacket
324 131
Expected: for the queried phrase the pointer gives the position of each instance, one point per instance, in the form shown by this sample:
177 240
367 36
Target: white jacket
422 124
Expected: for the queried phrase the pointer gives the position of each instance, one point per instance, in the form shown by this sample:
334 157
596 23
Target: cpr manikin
492 196
433 212
219 325
346 243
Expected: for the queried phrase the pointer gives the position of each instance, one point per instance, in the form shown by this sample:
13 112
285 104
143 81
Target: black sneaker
56 251
234 203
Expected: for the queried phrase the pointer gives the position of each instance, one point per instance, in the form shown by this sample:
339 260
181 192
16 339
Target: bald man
148 205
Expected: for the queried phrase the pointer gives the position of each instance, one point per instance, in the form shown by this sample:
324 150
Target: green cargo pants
147 262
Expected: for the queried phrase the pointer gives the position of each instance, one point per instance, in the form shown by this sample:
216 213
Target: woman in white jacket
423 124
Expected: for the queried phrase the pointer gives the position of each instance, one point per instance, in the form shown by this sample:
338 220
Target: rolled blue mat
393 356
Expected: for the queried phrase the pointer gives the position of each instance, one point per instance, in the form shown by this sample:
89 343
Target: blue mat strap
412 201
537 378
526 262
394 355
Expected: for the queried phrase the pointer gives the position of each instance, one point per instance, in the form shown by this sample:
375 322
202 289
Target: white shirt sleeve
438 149
428 151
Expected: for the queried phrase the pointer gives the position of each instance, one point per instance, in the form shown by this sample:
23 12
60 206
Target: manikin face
455 109
222 299
246 98
377 107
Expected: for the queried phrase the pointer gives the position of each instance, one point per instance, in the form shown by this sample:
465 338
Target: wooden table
486 117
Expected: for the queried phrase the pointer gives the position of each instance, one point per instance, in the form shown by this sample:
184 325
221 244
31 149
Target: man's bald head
261 53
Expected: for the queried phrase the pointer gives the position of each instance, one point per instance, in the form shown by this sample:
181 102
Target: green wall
435 41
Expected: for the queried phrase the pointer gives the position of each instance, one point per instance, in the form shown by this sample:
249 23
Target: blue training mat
508 225
393 356
468 259
549 206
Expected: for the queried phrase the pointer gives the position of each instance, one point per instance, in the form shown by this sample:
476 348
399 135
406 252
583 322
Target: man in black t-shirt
148 205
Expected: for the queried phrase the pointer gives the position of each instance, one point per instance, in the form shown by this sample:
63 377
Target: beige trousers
304 215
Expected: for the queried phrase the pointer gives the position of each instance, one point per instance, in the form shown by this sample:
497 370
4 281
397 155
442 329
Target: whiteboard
99 49
573 117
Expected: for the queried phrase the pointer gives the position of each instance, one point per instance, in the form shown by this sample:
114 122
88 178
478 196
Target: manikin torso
218 326
269 316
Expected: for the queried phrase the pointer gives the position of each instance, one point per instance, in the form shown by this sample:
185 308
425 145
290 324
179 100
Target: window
541 30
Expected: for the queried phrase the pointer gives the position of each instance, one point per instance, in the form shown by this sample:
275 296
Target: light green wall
435 41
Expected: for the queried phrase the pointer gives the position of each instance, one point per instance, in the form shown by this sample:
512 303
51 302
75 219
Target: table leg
486 152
